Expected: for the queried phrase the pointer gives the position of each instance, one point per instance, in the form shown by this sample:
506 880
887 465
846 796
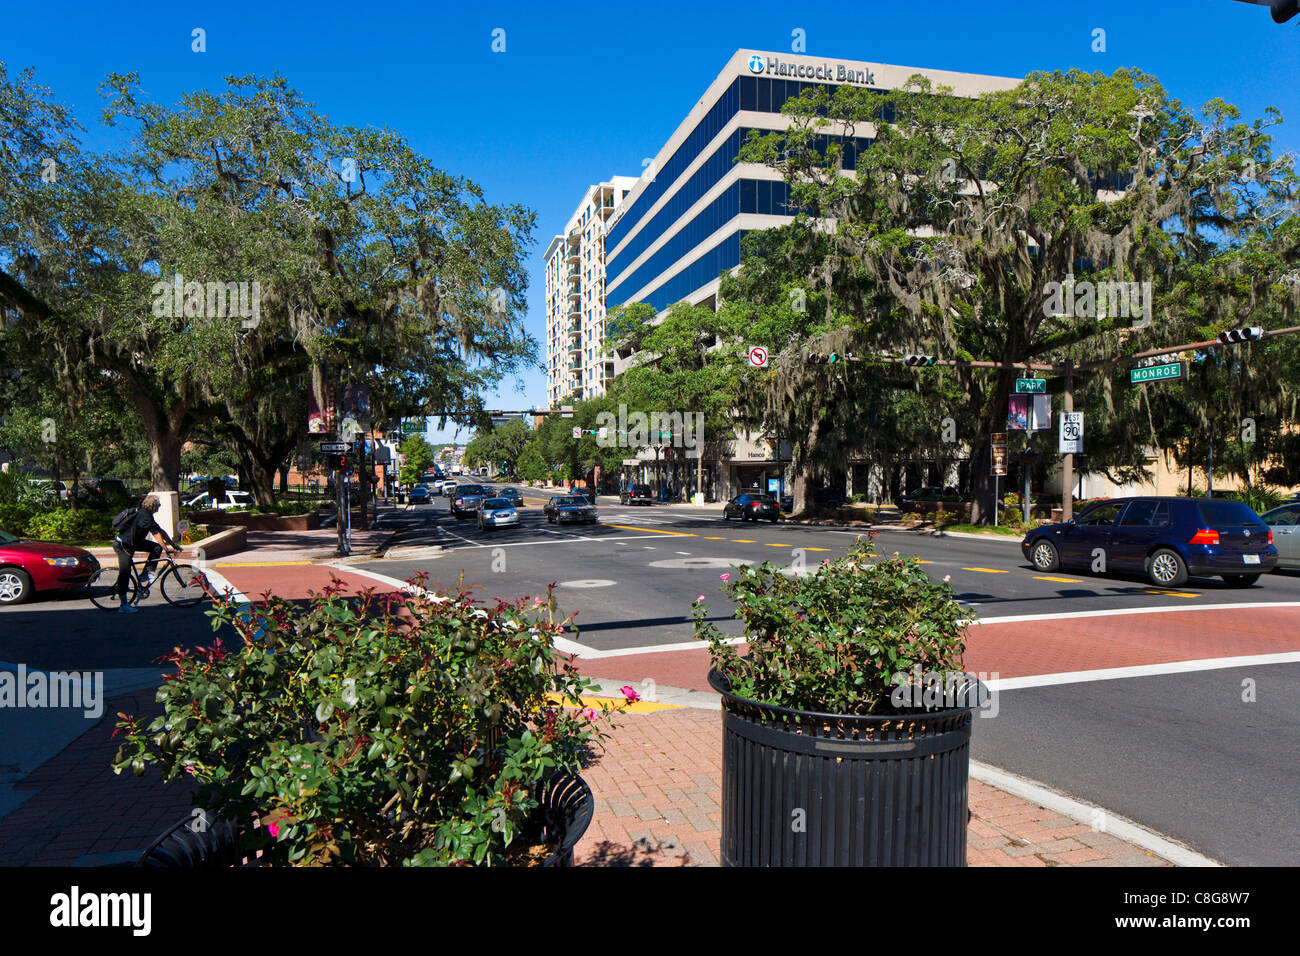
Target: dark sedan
569 508
636 495
419 495
1166 539
751 507
466 499
30 566
516 499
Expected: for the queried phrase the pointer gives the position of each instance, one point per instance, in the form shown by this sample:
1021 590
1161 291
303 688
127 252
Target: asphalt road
1184 754
632 577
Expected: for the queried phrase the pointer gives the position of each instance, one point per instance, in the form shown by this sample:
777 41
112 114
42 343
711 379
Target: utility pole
1067 463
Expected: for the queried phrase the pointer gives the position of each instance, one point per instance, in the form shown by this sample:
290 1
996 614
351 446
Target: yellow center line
807 548
770 544
628 527
1040 577
924 561
987 570
1172 593
743 541
714 537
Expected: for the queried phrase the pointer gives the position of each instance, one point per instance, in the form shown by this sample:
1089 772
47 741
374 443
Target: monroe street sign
1157 373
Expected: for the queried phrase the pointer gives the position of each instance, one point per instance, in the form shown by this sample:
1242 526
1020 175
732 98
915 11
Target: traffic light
830 359
1283 10
914 360
1251 333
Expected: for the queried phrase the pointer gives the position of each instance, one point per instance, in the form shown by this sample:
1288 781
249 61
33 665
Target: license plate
1250 558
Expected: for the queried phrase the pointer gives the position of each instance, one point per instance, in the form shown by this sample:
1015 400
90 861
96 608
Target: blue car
1166 539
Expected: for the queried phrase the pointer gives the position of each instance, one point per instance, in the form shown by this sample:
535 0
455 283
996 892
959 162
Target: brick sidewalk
659 783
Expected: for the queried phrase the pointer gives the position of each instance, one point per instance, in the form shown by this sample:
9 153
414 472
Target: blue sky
586 91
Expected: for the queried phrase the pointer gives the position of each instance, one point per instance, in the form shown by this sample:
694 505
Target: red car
30 566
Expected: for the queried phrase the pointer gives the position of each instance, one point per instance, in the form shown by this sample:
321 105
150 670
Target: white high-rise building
576 364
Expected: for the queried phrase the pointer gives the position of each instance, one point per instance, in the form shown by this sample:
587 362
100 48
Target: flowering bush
833 641
375 731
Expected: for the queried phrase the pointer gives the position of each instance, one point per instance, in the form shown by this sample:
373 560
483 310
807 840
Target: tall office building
681 227
576 364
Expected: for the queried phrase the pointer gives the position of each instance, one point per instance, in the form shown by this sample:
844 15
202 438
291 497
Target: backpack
125 518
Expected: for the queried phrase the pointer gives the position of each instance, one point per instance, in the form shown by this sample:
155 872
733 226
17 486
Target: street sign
1031 386
577 432
998 459
757 356
333 447
566 411
1071 437
1157 373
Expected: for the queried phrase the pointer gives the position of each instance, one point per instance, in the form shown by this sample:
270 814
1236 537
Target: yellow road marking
628 527
261 564
1041 577
924 561
769 544
610 703
806 548
987 570
743 541
1172 593
714 537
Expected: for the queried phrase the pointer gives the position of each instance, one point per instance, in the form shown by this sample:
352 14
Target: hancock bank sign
774 66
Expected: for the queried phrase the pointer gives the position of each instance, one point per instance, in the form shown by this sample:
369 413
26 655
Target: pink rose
947 578
700 598
726 577
589 713
630 693
273 829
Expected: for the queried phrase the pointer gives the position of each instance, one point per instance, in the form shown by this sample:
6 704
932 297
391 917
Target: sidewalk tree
419 459
366 257
964 212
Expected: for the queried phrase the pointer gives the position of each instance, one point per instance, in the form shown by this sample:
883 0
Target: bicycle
181 585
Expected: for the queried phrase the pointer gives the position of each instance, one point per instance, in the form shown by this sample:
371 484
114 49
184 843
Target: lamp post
1210 414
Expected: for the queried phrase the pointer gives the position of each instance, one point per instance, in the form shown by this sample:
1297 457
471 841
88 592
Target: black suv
636 495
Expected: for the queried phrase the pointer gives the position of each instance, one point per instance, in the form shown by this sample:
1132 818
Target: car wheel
1166 569
1044 555
15 586
773 519
1240 580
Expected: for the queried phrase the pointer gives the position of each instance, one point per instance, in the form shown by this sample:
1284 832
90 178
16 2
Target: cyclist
135 537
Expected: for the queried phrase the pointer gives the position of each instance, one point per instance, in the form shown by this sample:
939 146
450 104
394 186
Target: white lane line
1089 814
548 541
590 652
1142 670
1069 615
687 553
470 541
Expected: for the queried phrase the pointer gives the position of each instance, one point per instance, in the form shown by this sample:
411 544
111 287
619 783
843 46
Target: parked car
516 499
419 495
56 490
106 493
636 495
1166 539
1284 522
497 513
28 567
569 508
466 500
751 506
231 500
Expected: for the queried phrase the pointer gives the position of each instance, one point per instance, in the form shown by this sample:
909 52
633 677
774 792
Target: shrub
834 641
378 731
14 518
63 524
1259 497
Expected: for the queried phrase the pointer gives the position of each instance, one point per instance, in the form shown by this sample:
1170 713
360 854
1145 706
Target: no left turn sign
757 356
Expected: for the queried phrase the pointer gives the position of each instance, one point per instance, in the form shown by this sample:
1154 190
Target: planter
873 791
560 821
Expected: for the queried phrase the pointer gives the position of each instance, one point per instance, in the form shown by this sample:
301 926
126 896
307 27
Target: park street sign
333 447
1031 386
1157 373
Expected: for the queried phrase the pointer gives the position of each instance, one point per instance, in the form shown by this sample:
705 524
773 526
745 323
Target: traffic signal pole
1067 463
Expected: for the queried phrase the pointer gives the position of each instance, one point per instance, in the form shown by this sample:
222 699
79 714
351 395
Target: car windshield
468 490
6 538
641 489
496 503
1216 513
510 492
569 502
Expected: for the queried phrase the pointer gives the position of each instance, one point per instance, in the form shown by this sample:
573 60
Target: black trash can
808 789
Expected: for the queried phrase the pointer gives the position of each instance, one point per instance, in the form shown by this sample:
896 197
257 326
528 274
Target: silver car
1284 522
497 513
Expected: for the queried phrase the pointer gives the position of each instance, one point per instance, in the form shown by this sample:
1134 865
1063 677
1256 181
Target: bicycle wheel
102 589
182 585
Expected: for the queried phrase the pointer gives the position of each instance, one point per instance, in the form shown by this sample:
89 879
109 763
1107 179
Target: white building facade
577 365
